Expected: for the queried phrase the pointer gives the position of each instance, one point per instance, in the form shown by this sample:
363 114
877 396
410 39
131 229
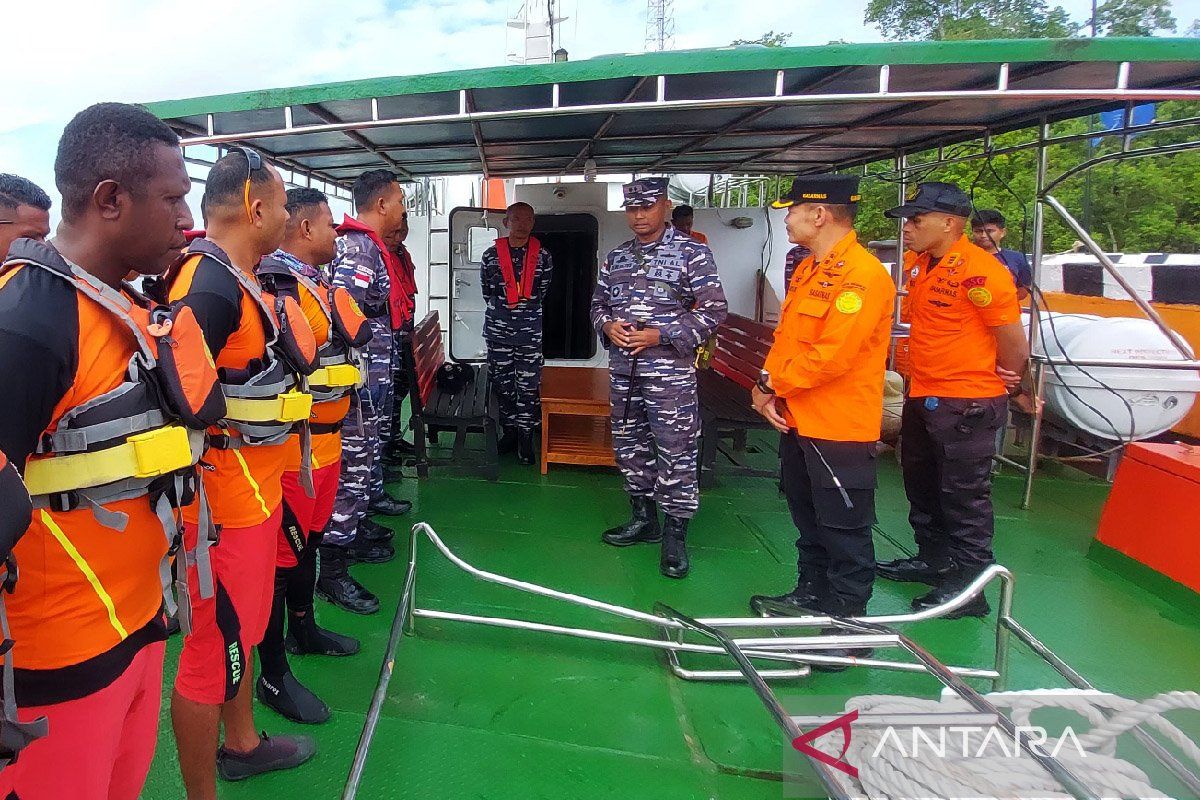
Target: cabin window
478 241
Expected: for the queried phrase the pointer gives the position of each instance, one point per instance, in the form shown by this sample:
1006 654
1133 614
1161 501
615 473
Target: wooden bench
724 392
468 410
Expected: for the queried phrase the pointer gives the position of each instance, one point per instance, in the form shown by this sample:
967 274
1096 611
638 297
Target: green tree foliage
768 39
970 19
1134 17
1142 205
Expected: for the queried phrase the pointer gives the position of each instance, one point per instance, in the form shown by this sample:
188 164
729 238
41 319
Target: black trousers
836 552
946 453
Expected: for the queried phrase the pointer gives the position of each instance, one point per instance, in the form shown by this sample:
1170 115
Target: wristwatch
762 384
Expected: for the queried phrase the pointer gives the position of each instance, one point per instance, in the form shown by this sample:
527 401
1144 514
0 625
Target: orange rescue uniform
831 345
326 447
952 306
244 487
85 588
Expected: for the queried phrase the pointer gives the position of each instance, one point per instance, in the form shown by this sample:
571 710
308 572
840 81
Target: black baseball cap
945 198
837 190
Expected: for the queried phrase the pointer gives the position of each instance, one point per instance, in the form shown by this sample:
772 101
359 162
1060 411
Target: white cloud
62 55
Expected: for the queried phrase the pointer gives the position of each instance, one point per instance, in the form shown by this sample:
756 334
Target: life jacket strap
336 376
79 440
291 406
144 455
14 734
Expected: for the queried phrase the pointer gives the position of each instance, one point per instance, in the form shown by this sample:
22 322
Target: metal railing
858 632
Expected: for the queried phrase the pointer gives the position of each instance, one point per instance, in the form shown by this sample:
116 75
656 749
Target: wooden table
575 417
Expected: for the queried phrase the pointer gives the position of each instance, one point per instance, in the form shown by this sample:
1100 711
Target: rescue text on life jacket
518 287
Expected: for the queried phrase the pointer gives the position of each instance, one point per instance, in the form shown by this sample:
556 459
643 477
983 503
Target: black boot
389 506
674 562
375 533
336 585
292 699
643 527
918 569
365 551
306 637
952 584
525 446
508 441
803 601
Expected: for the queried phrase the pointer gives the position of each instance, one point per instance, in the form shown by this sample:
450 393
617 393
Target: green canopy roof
743 109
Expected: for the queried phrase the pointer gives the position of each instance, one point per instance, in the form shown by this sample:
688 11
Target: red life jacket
403 282
408 283
516 290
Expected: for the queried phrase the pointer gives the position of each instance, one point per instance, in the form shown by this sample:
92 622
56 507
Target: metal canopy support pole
898 266
1178 341
1035 324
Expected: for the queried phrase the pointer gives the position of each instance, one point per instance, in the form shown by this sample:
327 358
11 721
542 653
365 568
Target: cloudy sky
62 55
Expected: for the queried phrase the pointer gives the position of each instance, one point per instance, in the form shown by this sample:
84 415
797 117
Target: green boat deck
476 712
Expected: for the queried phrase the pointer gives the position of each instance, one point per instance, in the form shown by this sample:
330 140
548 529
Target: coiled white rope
956 761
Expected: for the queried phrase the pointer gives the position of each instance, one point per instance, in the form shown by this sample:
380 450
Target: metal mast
660 25
536 28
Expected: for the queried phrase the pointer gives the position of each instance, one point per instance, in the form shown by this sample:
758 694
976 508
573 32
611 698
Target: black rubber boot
272 658
389 506
508 441
306 637
674 562
803 601
373 532
525 446
273 753
291 699
336 585
643 527
917 569
952 584
364 551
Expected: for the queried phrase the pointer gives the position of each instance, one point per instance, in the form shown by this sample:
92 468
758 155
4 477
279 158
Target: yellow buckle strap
290 406
335 376
143 455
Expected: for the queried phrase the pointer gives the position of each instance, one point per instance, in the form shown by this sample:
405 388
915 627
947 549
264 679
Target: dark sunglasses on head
254 163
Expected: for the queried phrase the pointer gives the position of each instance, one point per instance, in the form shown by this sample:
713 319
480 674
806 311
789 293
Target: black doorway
566 324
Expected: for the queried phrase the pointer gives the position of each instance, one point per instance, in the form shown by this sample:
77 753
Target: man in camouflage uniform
515 276
658 298
361 266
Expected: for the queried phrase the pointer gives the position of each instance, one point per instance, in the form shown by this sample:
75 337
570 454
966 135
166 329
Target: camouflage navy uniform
360 268
514 337
671 285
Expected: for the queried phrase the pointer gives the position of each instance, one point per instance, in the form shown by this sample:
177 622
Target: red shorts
100 746
310 513
227 626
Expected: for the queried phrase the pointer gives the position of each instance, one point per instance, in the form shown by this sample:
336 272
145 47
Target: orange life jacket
264 401
141 438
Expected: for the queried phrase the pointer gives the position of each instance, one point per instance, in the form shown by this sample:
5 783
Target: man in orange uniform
86 612
822 386
293 270
962 304
245 215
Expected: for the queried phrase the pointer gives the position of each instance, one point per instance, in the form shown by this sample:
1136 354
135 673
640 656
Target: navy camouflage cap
644 191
